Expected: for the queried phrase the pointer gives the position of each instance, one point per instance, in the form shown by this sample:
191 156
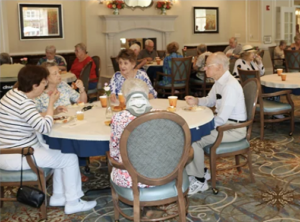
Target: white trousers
66 177
196 167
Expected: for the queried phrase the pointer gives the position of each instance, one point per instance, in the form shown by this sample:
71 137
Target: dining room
121 93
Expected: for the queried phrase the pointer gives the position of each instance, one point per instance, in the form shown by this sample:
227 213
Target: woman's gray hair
135 47
222 59
148 41
81 46
48 64
5 58
134 85
50 48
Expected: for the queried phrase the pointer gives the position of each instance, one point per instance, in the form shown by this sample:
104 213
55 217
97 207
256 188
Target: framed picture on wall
206 20
40 21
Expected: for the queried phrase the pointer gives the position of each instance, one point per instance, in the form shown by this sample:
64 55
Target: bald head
233 42
221 59
216 65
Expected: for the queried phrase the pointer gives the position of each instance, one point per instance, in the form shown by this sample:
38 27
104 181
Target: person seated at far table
6 68
21 125
127 62
172 50
4 58
279 53
136 48
135 92
234 49
249 60
148 53
199 62
296 44
67 94
228 98
52 57
82 58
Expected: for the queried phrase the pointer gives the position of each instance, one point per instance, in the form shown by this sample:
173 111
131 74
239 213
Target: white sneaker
280 116
80 206
207 174
197 186
57 202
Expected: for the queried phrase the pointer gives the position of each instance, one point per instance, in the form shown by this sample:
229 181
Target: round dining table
90 137
152 69
273 83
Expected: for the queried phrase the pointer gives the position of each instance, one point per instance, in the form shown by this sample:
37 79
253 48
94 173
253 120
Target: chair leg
181 206
136 210
262 124
292 123
1 196
212 162
237 162
43 206
115 202
249 159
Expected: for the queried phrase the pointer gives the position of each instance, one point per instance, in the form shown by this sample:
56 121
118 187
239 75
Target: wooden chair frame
183 90
213 156
271 51
245 74
161 53
86 71
177 174
30 162
190 52
289 54
115 64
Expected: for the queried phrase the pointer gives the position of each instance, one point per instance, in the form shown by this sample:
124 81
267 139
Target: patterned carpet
274 197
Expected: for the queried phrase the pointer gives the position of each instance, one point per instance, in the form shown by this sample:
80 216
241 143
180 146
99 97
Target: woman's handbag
30 195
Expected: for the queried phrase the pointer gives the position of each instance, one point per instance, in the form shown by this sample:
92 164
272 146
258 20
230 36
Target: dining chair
156 158
292 60
180 76
161 54
201 85
30 178
190 52
115 64
273 60
270 108
238 148
232 64
85 78
63 58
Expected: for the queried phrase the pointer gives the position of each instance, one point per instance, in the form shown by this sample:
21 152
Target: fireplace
135 26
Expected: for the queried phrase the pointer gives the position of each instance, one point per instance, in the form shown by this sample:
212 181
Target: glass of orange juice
103 100
80 115
173 100
121 100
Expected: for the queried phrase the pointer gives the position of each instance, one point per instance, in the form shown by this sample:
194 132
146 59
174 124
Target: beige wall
245 19
71 22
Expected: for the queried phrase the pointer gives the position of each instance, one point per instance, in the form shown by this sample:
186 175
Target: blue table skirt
84 148
152 70
271 90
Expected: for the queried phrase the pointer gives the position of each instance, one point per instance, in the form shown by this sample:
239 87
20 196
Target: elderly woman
137 103
136 48
4 58
67 94
127 62
51 57
249 60
172 49
20 126
82 58
296 44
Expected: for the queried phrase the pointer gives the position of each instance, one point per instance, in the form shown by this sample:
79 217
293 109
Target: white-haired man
52 57
228 98
234 48
148 53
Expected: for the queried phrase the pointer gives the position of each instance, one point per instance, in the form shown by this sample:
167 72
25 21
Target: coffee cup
173 100
283 77
279 71
103 101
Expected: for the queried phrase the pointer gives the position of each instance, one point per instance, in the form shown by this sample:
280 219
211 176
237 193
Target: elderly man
228 98
234 49
51 57
148 53
5 58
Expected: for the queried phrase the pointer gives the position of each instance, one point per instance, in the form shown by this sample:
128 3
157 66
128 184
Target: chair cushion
176 85
15 176
279 67
90 91
154 193
272 106
229 147
200 81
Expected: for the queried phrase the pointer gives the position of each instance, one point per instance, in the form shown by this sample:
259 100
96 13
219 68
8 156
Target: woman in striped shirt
20 125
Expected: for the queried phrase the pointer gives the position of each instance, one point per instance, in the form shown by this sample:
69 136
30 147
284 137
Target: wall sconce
297 12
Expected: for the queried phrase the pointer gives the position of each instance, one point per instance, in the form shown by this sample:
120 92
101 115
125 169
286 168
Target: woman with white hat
248 60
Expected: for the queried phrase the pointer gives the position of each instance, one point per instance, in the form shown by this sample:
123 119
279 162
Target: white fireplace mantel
135 26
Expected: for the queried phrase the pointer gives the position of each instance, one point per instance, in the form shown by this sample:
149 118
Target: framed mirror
138 3
206 20
40 21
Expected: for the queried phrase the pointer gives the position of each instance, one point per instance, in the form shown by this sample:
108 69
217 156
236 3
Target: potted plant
116 5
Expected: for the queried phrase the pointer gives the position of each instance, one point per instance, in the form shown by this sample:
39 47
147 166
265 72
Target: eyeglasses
206 66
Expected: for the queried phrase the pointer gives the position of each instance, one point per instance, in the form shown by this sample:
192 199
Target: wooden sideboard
211 48
33 59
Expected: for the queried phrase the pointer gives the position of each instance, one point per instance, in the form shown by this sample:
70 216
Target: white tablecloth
274 81
92 128
153 64
68 77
